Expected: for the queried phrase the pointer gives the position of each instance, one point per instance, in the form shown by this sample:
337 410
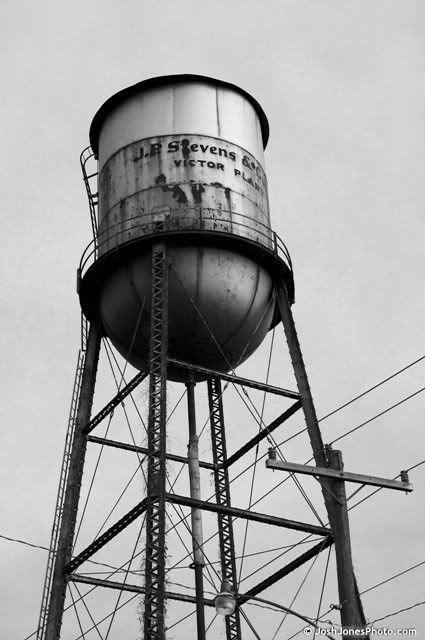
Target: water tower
185 277
181 162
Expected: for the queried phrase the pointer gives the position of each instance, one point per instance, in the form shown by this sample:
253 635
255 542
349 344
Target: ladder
42 623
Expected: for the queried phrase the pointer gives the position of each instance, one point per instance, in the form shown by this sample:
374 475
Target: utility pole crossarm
324 472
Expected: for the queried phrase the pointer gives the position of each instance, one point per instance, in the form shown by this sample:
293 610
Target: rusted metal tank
181 160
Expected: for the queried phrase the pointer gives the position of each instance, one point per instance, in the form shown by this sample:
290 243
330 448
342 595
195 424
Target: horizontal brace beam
245 382
247 515
281 573
100 542
134 588
144 450
263 434
125 391
323 472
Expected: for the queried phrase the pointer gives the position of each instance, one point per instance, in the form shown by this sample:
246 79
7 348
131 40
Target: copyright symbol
308 631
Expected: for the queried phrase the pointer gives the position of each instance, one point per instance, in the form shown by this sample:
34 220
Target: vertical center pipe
196 514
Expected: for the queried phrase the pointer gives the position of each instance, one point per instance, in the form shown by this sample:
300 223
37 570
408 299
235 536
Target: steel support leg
196 514
352 612
73 486
155 512
222 492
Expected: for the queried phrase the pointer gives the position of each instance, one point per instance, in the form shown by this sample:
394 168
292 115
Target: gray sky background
343 86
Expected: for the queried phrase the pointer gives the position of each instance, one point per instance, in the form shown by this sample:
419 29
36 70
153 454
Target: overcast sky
343 86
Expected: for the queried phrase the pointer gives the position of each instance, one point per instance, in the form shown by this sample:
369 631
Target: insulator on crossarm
272 453
404 476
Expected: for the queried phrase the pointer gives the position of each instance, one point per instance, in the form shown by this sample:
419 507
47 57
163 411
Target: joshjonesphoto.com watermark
359 633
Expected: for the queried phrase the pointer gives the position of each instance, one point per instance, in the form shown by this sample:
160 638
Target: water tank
181 161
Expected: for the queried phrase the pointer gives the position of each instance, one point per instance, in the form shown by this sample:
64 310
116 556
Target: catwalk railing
226 224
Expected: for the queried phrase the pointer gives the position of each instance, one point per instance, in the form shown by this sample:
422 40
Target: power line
378 415
415 466
43 548
394 613
375 586
397 575
361 395
27 544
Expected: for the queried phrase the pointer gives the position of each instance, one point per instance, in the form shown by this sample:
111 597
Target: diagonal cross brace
263 433
107 409
106 537
281 573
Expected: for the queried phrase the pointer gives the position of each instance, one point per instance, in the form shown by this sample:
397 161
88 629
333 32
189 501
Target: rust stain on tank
161 179
179 194
176 191
197 191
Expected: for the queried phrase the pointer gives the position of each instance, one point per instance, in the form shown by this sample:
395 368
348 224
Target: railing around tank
205 220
